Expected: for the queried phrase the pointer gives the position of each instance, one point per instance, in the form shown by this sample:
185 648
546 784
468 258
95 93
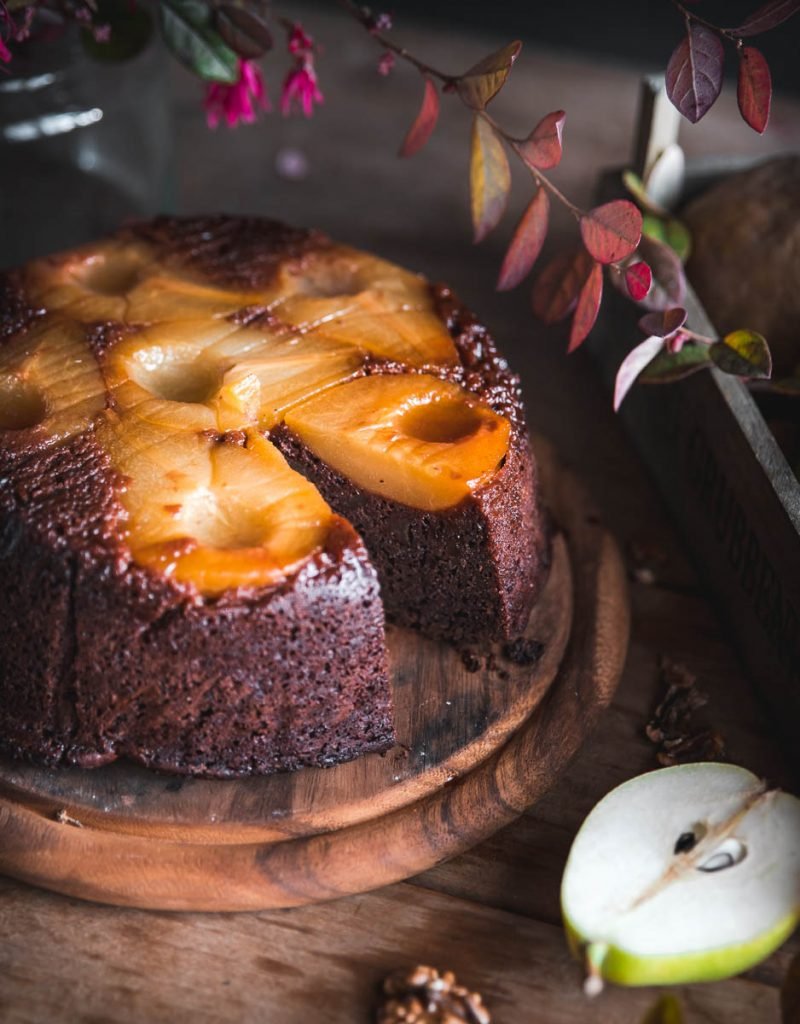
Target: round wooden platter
477 746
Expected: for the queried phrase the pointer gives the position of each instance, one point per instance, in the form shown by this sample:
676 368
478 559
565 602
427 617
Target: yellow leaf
666 1010
490 178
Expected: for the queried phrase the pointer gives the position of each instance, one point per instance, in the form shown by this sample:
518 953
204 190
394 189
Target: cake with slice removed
226 446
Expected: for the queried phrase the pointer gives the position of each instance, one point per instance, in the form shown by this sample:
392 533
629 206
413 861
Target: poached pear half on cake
226 446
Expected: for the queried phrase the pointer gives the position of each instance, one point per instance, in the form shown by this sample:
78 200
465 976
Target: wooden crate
725 480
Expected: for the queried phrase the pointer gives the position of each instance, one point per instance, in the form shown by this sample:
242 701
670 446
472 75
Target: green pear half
684 874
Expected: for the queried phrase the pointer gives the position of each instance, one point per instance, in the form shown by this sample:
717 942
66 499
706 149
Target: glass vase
84 145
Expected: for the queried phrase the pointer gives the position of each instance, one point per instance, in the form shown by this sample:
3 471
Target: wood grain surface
449 720
492 913
475 750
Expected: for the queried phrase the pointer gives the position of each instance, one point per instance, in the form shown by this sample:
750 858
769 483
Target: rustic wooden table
491 915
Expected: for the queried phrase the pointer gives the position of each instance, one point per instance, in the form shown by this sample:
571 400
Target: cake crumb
470 661
66 819
522 651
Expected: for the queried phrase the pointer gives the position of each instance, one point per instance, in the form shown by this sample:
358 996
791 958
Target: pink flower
675 342
301 85
300 43
386 63
236 102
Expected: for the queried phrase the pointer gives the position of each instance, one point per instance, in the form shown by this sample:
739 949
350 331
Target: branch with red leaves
695 69
645 267
221 40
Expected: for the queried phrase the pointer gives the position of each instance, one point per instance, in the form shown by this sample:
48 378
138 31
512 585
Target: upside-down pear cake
226 448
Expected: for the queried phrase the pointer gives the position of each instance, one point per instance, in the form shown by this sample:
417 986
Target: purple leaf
663 322
694 72
754 91
769 16
633 364
669 280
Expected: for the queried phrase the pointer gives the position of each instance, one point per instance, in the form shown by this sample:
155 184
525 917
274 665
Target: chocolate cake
226 446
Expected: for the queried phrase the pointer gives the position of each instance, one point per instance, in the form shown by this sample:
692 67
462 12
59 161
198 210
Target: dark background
642 33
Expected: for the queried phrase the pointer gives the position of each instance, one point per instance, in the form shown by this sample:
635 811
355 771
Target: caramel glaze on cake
183 579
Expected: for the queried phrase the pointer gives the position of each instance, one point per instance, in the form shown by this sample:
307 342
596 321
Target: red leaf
482 82
769 16
633 364
424 123
526 244
489 176
638 278
694 72
542 148
588 307
612 231
754 92
664 322
556 289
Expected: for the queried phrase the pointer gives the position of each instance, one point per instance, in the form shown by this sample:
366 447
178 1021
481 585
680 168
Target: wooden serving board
477 746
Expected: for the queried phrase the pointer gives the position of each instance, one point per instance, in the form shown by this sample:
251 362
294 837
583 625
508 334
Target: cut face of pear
685 874
357 299
415 439
246 376
121 281
217 514
49 379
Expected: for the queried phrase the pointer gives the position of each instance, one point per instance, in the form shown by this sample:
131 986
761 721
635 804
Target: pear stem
594 955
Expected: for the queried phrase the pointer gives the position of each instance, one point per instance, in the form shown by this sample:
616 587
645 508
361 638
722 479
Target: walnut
424 996
675 727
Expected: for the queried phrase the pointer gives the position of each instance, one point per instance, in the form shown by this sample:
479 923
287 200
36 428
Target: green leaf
244 29
131 29
671 232
489 177
743 354
186 27
482 82
666 1010
670 366
634 184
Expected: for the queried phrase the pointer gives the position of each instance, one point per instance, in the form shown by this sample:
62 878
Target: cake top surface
177 346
